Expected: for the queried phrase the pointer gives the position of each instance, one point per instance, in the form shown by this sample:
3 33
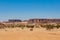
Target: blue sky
26 9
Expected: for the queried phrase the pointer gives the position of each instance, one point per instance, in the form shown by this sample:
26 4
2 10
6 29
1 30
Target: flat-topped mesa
44 21
14 20
33 21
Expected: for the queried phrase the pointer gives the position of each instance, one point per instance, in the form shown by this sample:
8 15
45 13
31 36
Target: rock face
44 21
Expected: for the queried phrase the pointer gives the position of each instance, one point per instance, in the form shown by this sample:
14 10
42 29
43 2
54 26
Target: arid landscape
29 19
27 30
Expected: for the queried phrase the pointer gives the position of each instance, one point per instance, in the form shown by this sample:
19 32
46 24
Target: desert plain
26 34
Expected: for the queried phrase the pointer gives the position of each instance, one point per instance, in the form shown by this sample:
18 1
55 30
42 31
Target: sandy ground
26 34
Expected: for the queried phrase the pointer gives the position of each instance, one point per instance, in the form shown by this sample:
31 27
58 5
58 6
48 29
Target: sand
26 34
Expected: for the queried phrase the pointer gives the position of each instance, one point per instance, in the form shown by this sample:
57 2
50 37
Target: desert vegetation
47 26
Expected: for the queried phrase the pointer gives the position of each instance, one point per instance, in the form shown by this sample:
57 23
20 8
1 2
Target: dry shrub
49 26
31 29
30 26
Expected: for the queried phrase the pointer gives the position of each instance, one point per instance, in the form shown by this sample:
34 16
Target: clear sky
26 9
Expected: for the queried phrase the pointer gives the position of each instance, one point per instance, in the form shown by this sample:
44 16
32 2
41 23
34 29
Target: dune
26 34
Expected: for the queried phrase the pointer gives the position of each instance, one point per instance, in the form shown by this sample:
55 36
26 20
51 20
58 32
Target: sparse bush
57 26
31 29
10 26
2 26
48 27
37 26
22 26
30 26
18 25
44 26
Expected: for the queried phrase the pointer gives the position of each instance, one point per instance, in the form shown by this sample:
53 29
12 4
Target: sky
27 9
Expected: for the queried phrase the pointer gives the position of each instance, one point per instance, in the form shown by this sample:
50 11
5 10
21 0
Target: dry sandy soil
25 34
